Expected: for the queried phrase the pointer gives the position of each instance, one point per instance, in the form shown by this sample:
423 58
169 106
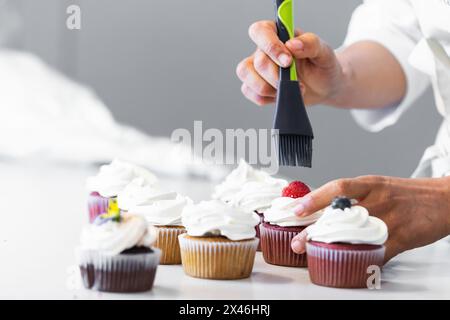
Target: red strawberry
295 189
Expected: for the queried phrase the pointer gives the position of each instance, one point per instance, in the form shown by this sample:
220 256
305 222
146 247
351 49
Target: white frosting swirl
352 225
114 177
249 189
139 192
157 206
112 238
219 219
282 213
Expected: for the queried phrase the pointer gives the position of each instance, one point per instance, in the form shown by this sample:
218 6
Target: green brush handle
285 26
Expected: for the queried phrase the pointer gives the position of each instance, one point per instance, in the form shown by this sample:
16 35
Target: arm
353 78
416 211
372 77
371 72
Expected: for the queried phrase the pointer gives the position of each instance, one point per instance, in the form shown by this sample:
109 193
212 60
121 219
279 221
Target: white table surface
44 207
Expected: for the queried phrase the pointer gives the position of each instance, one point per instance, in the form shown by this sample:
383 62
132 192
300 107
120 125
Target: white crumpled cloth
45 116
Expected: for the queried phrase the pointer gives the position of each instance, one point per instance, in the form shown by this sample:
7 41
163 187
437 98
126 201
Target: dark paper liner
97 205
342 268
121 273
167 242
276 247
217 260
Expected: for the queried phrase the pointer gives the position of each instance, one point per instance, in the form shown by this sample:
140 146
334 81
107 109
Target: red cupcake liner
97 205
340 266
261 220
276 247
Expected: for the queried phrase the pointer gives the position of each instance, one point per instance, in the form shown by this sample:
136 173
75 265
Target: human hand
320 73
416 211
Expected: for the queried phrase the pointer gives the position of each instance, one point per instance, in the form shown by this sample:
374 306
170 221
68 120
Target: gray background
160 65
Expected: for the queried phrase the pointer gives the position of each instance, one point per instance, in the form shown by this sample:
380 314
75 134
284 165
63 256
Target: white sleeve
393 24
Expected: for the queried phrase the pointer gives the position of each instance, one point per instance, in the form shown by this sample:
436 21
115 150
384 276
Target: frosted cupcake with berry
161 209
281 225
249 189
109 182
343 243
220 242
116 254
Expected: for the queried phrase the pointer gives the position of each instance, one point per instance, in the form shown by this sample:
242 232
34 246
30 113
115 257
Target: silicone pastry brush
293 135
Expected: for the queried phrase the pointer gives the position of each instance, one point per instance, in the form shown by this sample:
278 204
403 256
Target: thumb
298 244
310 46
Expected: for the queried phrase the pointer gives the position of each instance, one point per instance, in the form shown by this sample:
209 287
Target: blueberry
341 203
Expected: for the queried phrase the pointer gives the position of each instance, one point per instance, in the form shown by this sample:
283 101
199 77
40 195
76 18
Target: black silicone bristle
294 150
294 130
294 133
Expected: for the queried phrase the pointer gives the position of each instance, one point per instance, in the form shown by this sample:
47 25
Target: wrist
341 94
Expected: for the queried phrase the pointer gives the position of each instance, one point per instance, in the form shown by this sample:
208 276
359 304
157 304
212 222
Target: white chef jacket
417 33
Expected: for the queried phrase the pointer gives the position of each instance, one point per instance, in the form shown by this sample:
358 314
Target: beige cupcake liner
220 260
167 242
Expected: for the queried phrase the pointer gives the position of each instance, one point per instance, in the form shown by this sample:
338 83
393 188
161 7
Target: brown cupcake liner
276 248
220 260
167 242
339 268
120 273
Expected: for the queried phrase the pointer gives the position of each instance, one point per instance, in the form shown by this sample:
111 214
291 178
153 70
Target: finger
266 68
320 198
310 46
298 32
377 201
254 97
388 255
264 34
377 205
247 74
298 243
302 89
392 250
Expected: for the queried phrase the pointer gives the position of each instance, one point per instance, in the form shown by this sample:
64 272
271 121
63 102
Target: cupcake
343 243
115 254
220 241
250 190
111 180
161 209
281 225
